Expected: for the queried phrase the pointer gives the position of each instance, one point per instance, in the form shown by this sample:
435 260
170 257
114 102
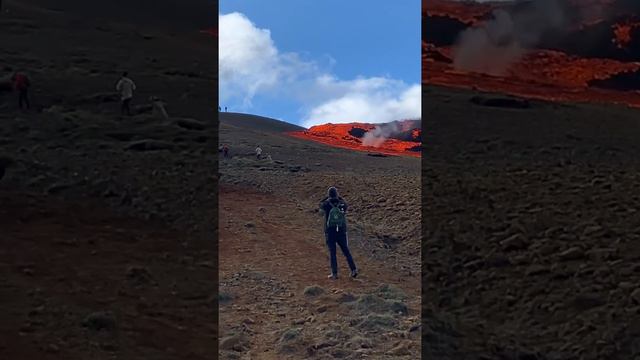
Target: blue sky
311 62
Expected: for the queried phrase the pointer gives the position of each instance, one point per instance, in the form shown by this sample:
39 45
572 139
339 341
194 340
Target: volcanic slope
531 240
105 243
276 300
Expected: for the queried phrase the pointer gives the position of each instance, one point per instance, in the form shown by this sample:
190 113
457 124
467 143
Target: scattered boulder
314 290
374 304
191 124
234 343
101 320
289 339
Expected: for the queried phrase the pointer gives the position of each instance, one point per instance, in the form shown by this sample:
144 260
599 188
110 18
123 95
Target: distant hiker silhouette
225 151
258 152
335 230
21 84
125 87
225 109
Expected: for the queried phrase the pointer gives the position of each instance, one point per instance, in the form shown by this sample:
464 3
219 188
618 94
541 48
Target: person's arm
119 85
323 205
133 85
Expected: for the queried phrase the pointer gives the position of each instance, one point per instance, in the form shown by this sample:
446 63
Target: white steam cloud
381 133
492 47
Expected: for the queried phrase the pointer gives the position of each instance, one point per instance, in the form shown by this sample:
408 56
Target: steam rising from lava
382 132
502 40
378 135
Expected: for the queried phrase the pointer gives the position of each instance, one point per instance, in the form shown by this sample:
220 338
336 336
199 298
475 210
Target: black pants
23 99
126 109
334 238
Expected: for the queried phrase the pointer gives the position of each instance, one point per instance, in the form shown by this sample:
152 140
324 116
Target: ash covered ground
530 246
108 221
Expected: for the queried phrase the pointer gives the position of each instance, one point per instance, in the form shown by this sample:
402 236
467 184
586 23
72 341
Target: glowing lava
407 141
597 59
623 33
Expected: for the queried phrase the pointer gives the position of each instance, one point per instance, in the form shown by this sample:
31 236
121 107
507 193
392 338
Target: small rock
314 290
573 253
191 124
514 242
99 320
233 342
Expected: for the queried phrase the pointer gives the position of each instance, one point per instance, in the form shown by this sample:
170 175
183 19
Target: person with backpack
335 230
126 87
21 84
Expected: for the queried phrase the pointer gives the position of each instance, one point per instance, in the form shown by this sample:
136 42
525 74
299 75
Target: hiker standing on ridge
258 152
335 230
126 87
21 84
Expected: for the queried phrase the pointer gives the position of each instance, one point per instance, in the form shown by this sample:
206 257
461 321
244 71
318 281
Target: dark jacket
327 204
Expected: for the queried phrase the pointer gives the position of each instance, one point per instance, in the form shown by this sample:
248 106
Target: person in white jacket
125 87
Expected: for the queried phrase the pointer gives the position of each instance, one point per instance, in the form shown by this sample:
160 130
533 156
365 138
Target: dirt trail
282 243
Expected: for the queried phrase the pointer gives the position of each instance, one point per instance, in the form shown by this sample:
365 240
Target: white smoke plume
492 47
382 132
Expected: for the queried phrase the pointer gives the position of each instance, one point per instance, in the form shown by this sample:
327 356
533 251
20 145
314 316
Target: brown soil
272 252
63 261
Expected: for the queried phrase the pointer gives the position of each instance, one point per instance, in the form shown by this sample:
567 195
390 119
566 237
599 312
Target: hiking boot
354 273
333 276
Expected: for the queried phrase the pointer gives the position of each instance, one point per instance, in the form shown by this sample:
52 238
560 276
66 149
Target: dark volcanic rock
509 103
149 145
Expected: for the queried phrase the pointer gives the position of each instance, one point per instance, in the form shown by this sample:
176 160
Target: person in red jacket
21 84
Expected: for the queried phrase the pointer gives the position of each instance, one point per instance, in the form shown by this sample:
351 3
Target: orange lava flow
540 74
525 86
338 135
622 33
